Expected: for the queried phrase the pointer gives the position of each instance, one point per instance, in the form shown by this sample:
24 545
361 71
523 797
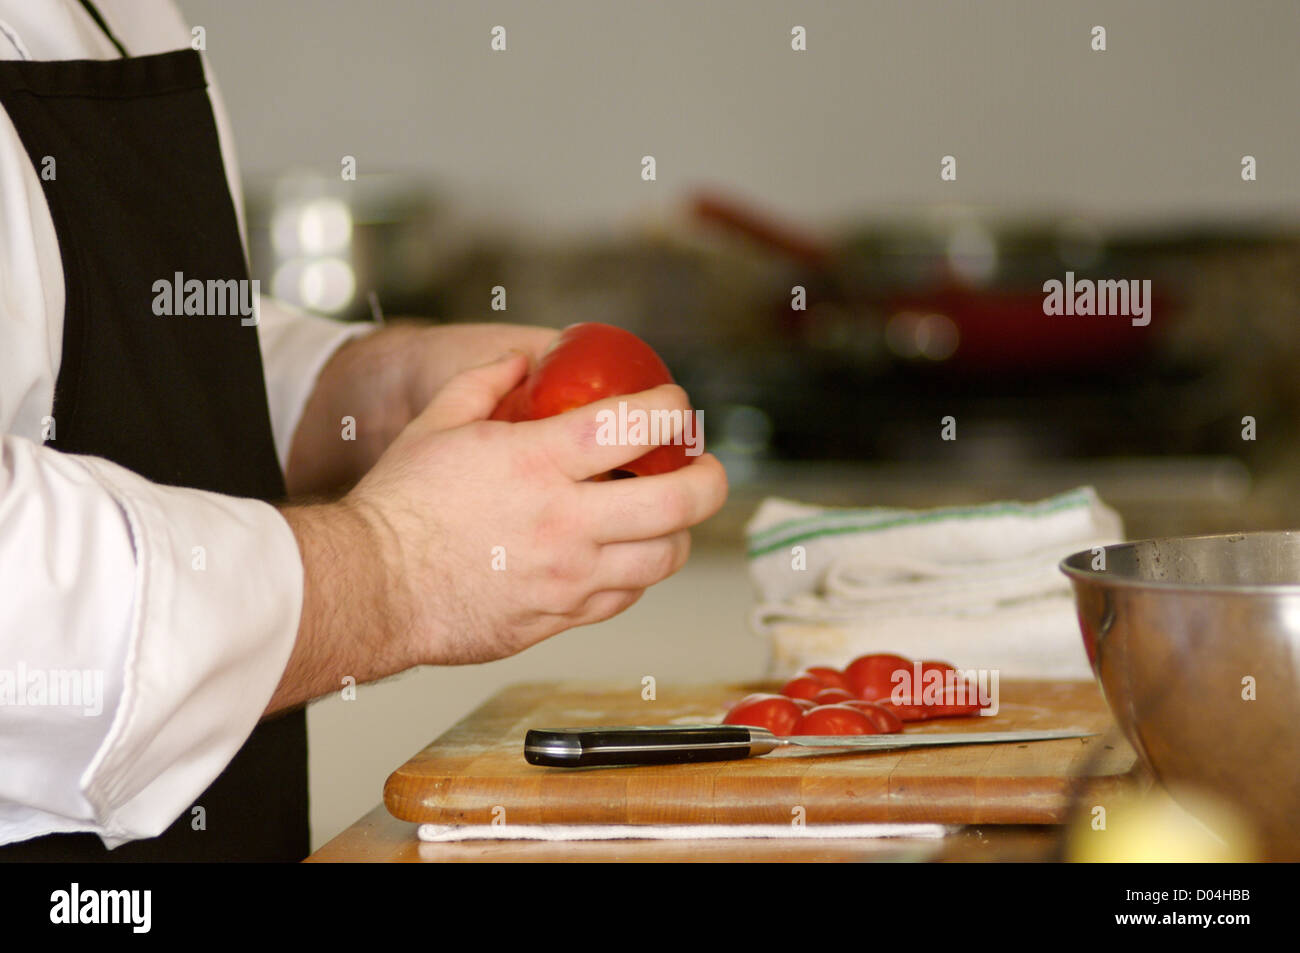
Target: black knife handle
667 744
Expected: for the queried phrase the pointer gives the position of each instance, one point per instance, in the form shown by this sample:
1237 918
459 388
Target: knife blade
685 744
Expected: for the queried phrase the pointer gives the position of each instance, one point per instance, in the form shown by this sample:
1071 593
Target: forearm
351 622
409 568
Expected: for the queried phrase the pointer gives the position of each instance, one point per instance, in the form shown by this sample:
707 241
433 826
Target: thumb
473 394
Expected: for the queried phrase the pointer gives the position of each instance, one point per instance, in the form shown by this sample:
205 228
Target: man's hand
382 381
471 540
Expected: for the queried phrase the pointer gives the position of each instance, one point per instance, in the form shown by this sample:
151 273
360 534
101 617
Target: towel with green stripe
974 585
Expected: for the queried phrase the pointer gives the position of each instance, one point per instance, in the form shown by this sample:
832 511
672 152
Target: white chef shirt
98 567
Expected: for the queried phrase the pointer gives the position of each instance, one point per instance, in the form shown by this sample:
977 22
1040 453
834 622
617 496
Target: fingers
605 605
653 506
473 394
640 565
609 433
536 342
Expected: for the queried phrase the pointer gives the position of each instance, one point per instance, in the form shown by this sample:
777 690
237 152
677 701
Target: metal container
1196 644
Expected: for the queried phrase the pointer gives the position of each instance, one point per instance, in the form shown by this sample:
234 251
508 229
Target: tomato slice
802 686
833 696
835 720
776 713
871 677
951 693
830 677
876 679
907 712
886 720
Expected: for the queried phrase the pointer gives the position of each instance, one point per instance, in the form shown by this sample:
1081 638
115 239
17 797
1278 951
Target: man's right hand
471 540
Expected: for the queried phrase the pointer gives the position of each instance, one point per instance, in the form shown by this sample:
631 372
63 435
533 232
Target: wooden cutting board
476 771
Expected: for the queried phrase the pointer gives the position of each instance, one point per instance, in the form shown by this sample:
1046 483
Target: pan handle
782 237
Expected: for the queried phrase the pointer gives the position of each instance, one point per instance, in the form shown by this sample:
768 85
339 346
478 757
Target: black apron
139 194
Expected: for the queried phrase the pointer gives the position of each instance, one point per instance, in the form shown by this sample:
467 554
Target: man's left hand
382 381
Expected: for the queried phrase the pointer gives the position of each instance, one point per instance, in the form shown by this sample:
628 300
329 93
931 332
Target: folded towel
864 553
445 833
1038 639
976 585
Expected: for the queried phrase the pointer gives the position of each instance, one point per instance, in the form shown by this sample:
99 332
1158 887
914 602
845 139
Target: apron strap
99 21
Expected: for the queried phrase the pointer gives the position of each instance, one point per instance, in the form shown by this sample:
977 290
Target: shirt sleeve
128 677
143 628
295 346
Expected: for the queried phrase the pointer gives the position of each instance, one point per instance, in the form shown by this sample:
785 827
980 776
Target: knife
684 744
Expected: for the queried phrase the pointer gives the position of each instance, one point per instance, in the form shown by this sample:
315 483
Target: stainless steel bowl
1178 632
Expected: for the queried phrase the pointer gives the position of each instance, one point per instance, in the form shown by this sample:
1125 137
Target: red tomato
832 696
513 407
802 686
776 713
804 704
586 363
870 677
886 720
830 677
835 720
907 712
948 707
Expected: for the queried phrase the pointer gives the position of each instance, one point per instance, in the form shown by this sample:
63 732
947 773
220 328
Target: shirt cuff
295 346
218 593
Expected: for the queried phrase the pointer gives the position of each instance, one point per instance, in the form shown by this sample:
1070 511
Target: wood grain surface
477 768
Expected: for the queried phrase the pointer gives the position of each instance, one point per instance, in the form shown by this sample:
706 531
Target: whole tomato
871 677
776 713
585 363
830 677
802 686
886 720
835 720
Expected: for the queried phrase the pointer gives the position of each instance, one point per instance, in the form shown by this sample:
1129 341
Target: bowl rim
1106 577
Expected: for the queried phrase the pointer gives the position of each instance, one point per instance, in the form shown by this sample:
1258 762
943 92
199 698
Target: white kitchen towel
446 833
1033 639
974 585
992 551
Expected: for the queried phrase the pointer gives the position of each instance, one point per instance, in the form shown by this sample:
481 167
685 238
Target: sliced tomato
776 713
830 677
833 696
835 720
802 686
886 719
949 706
871 677
907 712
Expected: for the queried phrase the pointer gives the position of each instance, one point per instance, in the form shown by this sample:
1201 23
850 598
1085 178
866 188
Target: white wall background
551 132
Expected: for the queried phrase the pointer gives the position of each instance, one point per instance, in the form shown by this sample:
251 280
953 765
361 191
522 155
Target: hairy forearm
357 606
350 623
